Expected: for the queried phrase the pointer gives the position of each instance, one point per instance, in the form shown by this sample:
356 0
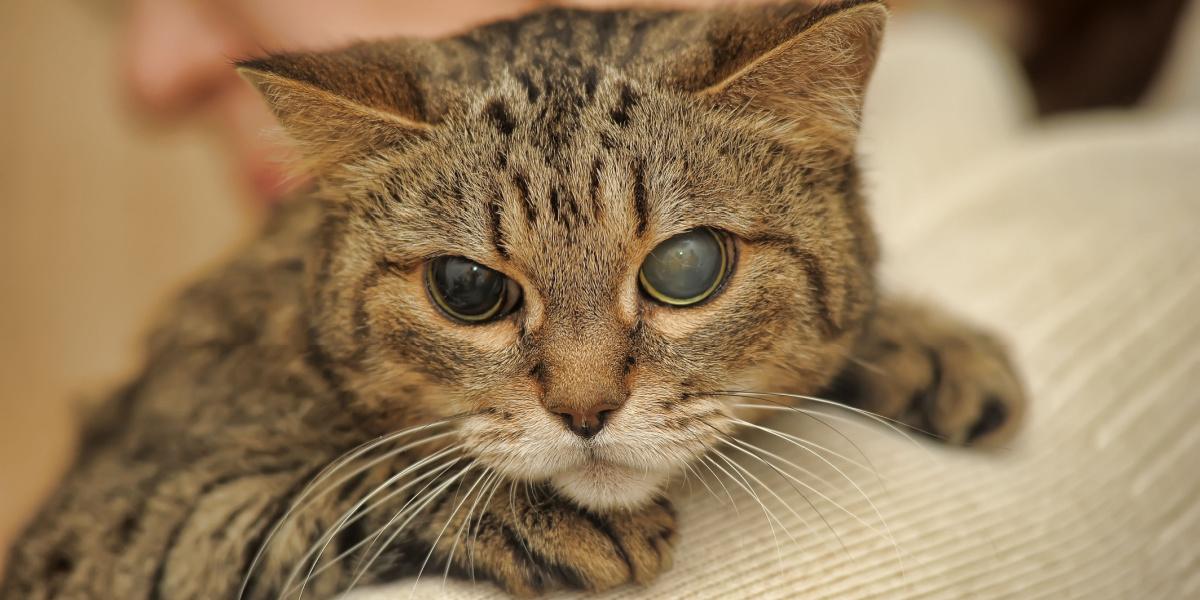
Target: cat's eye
688 268
469 291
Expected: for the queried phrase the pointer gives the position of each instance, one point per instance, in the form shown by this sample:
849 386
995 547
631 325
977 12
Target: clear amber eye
686 269
469 291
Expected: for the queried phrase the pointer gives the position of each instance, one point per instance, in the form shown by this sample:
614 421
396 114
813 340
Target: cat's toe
602 551
974 397
939 375
550 543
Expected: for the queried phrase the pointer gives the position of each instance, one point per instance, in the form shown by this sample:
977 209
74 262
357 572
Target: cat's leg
528 540
950 379
183 528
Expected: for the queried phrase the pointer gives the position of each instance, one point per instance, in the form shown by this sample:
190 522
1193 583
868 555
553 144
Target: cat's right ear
805 65
338 106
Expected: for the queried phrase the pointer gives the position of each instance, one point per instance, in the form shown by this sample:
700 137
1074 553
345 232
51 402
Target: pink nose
587 422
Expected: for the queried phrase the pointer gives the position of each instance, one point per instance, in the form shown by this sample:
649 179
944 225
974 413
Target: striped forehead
574 207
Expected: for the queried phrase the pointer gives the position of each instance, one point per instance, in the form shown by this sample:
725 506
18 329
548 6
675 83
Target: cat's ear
807 66
337 106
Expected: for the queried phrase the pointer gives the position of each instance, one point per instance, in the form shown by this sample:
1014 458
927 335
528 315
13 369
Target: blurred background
131 158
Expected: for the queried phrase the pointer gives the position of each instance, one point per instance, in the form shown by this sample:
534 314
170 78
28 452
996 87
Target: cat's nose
585 422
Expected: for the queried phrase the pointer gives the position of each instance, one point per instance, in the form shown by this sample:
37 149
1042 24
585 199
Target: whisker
870 366
499 480
333 466
811 448
704 483
747 446
330 533
374 536
885 421
871 464
413 511
375 462
488 477
745 485
887 528
716 477
789 480
434 472
771 491
814 413
450 519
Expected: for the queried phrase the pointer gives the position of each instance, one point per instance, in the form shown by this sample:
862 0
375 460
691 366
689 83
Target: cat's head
579 228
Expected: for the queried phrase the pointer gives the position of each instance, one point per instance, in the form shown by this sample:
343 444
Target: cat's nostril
601 417
568 419
585 423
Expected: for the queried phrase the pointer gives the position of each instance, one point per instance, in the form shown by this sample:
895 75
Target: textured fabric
1080 241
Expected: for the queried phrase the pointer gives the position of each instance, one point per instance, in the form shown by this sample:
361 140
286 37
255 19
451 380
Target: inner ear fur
337 106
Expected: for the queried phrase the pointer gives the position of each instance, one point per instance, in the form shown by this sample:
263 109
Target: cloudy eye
687 268
469 291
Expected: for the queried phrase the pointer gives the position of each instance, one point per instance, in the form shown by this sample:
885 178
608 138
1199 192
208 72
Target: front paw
531 540
937 374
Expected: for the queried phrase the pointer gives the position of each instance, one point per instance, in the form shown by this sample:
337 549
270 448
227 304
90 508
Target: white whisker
413 510
434 472
449 521
325 472
769 490
499 480
330 533
745 485
716 477
487 478
885 421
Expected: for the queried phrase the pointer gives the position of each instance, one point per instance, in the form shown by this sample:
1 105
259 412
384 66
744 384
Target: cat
541 263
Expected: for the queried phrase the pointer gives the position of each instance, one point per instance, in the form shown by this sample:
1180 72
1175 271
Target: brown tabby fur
559 149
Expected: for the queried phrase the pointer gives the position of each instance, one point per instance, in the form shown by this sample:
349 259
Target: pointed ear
807 66
338 106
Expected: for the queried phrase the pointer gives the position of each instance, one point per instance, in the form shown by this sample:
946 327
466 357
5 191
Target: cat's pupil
686 268
466 289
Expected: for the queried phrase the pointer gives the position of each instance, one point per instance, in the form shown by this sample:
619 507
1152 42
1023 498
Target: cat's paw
938 374
530 543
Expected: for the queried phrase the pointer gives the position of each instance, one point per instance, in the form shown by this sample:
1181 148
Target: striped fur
559 148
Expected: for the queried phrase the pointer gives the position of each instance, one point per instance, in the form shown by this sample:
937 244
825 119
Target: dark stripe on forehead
562 202
497 234
628 99
554 203
531 90
591 78
640 207
605 24
526 199
497 112
594 190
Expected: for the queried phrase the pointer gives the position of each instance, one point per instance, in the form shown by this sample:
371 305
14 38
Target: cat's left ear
341 105
806 66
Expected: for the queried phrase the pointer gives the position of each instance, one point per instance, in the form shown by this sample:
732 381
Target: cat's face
580 258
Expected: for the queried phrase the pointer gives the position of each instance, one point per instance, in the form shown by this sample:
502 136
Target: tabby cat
542 263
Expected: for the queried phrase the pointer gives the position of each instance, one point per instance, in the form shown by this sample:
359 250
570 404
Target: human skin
176 55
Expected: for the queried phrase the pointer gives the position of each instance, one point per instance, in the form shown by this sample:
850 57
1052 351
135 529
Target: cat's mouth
602 484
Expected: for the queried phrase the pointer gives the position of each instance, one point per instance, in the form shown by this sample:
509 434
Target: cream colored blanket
1080 240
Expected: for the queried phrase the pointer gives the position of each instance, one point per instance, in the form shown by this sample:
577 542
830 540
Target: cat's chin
600 485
